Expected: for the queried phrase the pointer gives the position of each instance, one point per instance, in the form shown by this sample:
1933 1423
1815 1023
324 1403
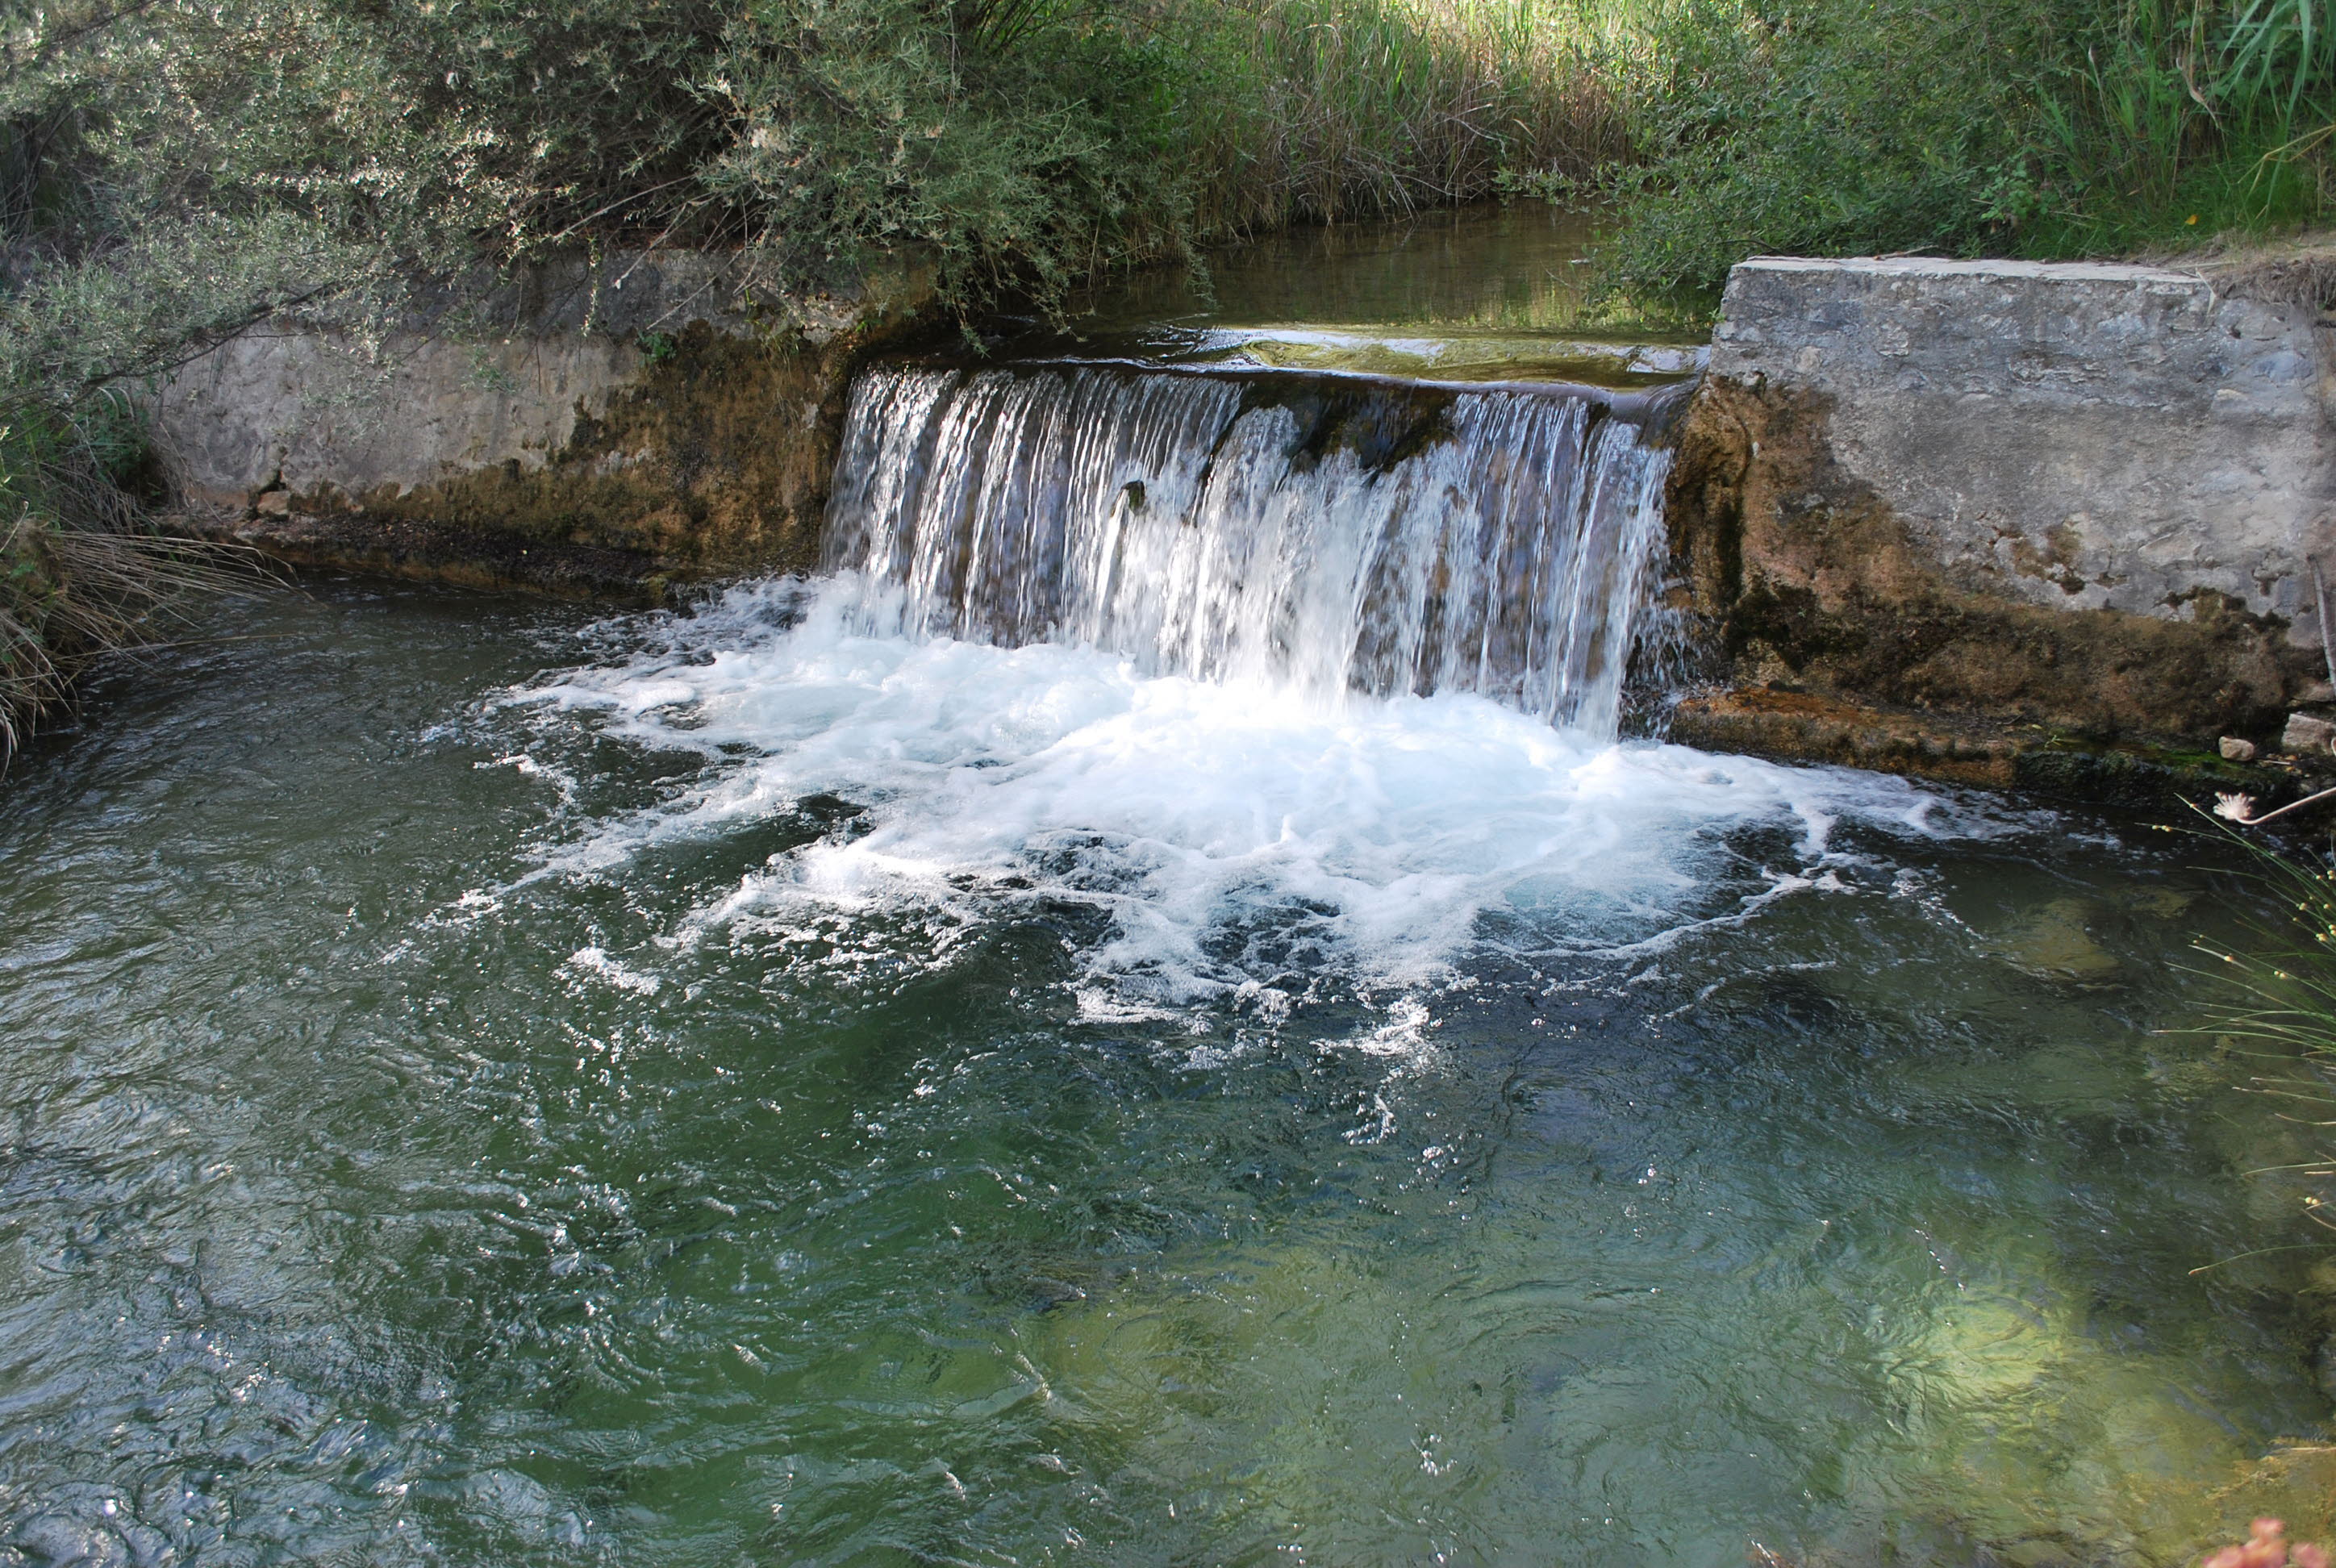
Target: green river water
486 1084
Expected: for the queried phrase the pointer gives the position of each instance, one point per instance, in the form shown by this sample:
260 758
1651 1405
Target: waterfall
1331 533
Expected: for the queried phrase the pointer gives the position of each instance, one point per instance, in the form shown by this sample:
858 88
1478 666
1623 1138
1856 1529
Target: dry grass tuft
82 569
2298 270
67 594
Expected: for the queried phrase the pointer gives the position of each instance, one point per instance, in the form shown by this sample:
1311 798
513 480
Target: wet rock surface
466 558
1966 748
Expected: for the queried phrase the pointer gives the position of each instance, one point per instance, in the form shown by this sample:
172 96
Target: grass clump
1312 111
2285 976
80 572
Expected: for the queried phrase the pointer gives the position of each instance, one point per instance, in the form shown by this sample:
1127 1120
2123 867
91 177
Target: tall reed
1312 111
2283 979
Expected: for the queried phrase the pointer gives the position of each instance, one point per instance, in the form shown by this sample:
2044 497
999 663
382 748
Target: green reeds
2285 976
1313 111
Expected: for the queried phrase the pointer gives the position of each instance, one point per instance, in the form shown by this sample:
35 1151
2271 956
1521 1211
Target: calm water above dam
1122 1065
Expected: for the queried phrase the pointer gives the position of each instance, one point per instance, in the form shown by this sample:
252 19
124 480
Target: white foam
1230 831
623 976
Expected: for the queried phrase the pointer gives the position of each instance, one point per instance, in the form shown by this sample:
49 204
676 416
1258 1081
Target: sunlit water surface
487 1086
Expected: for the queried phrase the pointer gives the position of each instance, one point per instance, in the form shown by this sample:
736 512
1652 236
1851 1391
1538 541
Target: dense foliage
2081 128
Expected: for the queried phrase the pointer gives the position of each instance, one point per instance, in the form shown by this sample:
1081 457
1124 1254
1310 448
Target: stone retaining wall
2082 497
589 423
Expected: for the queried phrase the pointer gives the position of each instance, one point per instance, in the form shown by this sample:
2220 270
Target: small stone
2233 749
2306 734
2315 691
274 503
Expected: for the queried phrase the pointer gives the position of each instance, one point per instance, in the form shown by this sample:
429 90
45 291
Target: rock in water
2054 944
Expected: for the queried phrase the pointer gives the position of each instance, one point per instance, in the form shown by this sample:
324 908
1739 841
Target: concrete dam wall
1925 515
592 425
2085 498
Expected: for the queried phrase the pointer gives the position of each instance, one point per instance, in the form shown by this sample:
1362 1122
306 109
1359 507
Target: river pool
491 1083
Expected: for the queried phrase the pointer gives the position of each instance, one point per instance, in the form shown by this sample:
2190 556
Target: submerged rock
2054 943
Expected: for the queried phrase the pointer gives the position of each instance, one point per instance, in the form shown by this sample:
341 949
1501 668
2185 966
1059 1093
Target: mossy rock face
2147 777
1961 747
717 459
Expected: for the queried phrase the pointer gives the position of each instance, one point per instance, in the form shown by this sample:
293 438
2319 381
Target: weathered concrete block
621 404
2084 495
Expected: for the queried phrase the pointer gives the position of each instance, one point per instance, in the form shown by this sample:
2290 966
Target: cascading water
1333 535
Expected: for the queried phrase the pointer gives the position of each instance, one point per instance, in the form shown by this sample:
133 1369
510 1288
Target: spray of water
1278 678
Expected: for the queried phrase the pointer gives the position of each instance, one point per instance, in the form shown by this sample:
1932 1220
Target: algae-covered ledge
596 423
2084 498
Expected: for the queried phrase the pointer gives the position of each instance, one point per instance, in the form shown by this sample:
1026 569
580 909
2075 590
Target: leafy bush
1816 126
1019 142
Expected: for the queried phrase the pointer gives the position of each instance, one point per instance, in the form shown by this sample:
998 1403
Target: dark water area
484 1085
1492 267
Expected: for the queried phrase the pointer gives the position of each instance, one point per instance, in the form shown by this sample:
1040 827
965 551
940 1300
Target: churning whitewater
1270 702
